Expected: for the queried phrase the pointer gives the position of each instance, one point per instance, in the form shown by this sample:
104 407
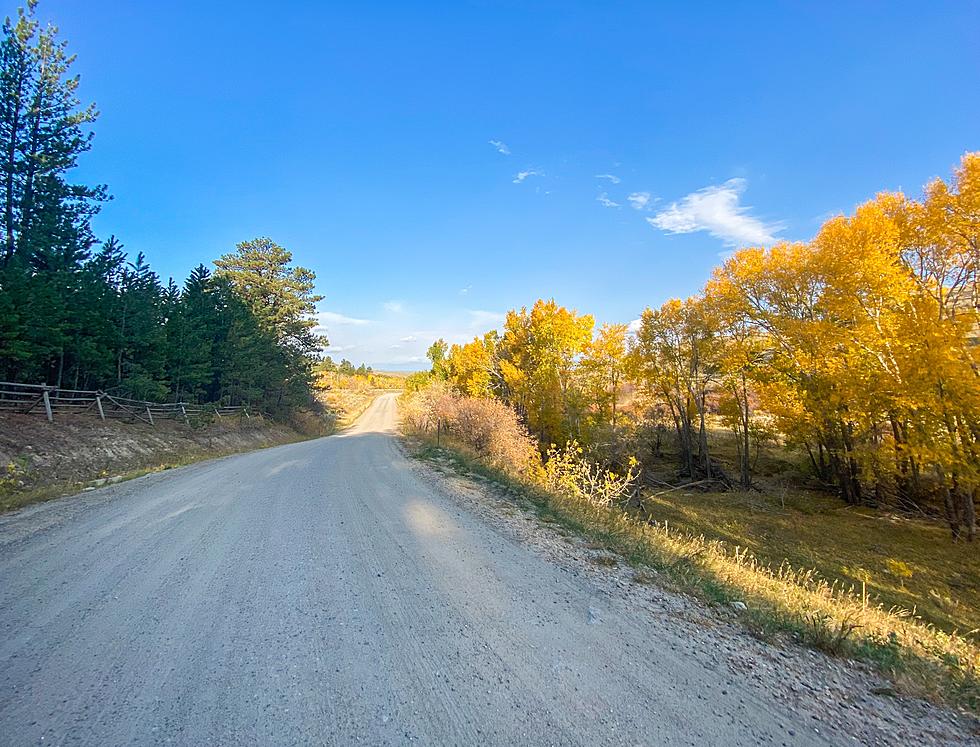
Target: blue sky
360 136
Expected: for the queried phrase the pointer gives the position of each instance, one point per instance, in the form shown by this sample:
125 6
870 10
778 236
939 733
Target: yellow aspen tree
741 355
538 352
603 367
941 249
472 368
675 357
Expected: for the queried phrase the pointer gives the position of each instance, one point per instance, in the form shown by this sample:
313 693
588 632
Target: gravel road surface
324 593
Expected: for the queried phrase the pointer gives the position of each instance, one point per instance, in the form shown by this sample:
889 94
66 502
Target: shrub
421 410
487 427
568 473
491 428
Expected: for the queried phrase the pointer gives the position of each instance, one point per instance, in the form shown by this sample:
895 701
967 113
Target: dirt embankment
40 460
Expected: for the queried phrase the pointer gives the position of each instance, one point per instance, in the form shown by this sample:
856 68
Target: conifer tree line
328 365
79 313
858 350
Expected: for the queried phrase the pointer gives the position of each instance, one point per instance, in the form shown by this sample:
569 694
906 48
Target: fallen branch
682 487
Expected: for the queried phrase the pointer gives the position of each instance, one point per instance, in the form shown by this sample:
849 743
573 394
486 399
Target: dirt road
323 593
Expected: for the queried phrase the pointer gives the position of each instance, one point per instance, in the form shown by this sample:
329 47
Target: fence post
245 410
149 415
183 411
98 403
216 412
47 404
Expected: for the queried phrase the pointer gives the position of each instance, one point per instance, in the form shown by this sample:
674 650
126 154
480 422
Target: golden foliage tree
675 357
538 354
472 368
603 369
870 337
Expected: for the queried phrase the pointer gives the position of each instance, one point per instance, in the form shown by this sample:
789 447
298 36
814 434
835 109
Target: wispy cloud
501 147
716 209
395 307
611 177
408 338
333 319
522 175
634 326
639 200
464 291
604 200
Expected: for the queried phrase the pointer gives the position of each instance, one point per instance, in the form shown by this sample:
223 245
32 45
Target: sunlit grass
902 562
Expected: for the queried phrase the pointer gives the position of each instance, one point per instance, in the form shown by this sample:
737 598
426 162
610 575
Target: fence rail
47 400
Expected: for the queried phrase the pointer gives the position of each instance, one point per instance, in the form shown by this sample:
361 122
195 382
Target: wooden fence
51 400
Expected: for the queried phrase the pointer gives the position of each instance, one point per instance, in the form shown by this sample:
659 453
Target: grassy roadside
774 602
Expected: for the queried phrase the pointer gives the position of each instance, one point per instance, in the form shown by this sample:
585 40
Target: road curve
322 593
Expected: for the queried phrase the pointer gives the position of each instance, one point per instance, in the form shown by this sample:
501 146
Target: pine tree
41 136
280 296
192 332
282 304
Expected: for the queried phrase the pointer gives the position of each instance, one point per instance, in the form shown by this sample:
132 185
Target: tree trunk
743 406
703 446
950 505
847 466
969 513
952 513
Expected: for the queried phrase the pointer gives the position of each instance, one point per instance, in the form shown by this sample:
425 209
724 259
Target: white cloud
522 175
334 349
464 291
395 307
634 326
408 338
604 200
716 210
611 177
333 319
501 147
639 200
